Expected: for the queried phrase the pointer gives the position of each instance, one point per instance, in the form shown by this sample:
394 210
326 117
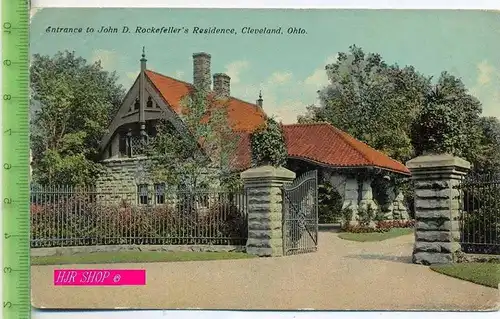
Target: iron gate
300 215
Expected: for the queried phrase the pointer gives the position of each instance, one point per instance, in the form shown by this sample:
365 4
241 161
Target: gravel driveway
342 275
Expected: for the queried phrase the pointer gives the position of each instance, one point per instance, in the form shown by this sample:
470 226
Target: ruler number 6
7 304
7 166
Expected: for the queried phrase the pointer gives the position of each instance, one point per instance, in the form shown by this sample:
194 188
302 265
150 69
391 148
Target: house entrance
300 215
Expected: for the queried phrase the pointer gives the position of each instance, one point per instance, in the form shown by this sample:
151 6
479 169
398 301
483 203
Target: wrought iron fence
480 214
67 216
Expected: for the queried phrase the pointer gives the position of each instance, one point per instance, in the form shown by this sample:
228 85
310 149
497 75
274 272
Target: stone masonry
264 194
121 179
398 208
437 204
222 85
351 198
201 71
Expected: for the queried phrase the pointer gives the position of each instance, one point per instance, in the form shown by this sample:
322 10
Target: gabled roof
243 116
318 142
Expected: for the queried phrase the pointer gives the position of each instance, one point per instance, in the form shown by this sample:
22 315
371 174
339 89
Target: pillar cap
437 160
267 172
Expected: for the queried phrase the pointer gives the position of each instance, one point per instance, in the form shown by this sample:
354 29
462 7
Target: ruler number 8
7 97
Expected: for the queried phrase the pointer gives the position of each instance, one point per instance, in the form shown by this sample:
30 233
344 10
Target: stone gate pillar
437 204
264 196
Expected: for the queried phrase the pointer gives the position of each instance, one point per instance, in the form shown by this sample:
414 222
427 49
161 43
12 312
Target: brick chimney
222 85
201 71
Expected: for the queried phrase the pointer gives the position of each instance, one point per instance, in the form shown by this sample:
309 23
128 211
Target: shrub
95 224
346 215
366 215
329 204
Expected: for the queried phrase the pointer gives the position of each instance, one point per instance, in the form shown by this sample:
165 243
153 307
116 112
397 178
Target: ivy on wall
268 145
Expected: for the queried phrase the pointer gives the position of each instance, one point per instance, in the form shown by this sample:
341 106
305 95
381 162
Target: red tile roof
243 116
323 143
318 142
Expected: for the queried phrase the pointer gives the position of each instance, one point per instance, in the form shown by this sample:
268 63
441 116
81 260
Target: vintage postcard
265 159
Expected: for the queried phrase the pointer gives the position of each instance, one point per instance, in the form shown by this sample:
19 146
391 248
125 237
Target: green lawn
135 257
487 274
395 232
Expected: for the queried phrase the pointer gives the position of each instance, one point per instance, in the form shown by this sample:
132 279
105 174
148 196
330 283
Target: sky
288 68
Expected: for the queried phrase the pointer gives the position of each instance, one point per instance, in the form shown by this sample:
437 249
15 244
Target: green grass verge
486 274
363 237
135 257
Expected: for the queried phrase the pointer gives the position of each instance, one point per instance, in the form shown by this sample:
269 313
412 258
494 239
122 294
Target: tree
198 148
268 144
72 103
372 101
488 159
449 121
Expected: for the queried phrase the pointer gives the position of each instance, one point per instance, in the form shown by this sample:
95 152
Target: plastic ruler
15 160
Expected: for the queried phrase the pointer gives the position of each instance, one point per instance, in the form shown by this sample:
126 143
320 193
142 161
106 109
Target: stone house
350 165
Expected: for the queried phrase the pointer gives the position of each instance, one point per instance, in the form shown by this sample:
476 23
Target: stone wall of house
121 179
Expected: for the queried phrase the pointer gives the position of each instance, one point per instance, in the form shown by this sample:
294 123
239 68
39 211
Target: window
142 191
160 193
150 102
109 152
